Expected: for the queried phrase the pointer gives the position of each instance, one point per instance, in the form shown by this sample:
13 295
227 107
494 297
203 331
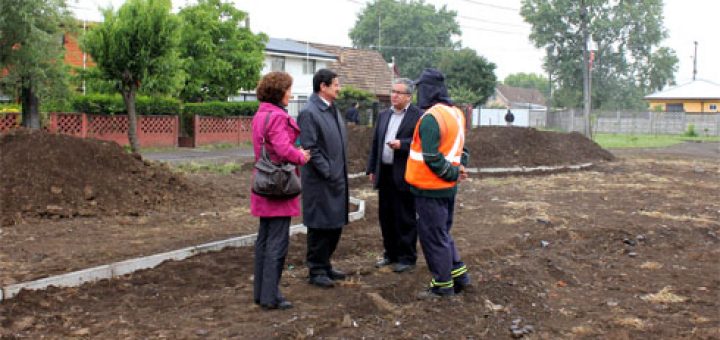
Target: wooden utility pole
586 69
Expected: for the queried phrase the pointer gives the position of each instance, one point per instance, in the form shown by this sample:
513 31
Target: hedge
104 104
221 109
215 109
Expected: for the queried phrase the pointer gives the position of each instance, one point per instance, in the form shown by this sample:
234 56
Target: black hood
431 89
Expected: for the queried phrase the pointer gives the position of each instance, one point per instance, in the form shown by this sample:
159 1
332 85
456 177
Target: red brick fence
153 131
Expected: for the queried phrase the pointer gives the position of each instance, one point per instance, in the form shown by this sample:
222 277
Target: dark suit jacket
324 177
400 156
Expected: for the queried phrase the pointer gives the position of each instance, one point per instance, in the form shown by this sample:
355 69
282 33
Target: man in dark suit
386 167
325 193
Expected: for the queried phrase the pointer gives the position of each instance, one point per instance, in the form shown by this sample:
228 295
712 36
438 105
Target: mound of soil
500 146
51 175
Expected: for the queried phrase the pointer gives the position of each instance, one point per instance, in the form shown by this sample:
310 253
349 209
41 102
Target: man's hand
463 173
372 177
394 144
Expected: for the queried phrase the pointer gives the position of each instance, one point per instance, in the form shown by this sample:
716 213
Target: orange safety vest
451 121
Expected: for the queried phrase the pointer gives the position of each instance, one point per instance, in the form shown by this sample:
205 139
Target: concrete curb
115 269
518 169
524 169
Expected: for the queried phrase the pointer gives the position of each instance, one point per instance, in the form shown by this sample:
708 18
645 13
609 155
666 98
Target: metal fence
637 122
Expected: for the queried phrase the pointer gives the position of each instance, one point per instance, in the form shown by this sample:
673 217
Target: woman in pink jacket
271 246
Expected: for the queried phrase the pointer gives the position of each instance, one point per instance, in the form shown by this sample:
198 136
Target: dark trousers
435 218
397 219
321 244
271 248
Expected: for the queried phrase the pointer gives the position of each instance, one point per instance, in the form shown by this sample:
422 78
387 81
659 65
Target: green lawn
607 140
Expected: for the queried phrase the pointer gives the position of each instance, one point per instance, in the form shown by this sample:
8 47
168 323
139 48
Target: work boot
402 267
436 293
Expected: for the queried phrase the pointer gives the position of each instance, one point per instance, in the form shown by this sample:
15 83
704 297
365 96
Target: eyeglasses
398 92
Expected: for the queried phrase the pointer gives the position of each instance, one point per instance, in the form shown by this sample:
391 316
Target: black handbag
275 181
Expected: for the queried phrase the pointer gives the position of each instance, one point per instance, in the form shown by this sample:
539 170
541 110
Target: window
674 108
713 107
309 66
277 64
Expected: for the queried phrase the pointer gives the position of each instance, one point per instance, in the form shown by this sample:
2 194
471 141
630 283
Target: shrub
215 109
105 104
690 132
6 108
221 109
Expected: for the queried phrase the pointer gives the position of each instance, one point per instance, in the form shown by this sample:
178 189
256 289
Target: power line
492 5
410 47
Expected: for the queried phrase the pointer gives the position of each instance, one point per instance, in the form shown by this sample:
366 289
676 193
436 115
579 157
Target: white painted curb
523 169
77 278
517 169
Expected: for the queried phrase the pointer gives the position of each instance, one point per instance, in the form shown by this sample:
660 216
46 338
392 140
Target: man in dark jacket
509 118
352 115
386 167
325 198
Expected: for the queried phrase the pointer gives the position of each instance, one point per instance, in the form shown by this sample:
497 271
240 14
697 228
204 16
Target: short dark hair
272 87
323 76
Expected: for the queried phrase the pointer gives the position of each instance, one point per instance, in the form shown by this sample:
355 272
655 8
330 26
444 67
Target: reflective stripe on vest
451 122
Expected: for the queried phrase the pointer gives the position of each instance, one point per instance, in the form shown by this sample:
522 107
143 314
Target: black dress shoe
402 267
336 275
382 263
321 281
283 304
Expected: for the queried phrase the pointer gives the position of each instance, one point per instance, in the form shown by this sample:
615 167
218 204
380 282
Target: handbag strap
264 154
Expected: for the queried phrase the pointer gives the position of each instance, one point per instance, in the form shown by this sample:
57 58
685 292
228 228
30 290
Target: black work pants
271 248
321 244
397 219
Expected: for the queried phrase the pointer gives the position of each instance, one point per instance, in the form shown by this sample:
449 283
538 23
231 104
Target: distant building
300 60
698 96
517 98
362 69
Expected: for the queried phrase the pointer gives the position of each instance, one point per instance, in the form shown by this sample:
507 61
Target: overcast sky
494 29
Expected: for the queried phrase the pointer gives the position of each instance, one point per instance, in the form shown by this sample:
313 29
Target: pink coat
282 131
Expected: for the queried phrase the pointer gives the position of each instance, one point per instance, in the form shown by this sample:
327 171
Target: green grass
223 168
618 141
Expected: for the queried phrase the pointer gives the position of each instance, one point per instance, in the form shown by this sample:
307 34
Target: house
517 98
697 96
300 60
74 57
362 69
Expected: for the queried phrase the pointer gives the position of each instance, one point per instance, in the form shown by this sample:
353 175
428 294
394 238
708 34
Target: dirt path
628 249
182 155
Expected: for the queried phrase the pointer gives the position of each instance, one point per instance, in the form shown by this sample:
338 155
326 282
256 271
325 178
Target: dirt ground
628 249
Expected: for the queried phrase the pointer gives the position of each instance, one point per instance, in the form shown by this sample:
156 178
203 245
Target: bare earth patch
628 249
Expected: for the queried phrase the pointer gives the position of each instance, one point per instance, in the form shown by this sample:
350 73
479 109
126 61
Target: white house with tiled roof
298 59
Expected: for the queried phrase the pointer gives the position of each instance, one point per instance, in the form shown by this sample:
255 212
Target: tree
529 81
628 62
221 55
137 42
465 71
31 52
413 32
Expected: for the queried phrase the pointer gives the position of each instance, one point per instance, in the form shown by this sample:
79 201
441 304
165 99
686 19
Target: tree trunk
30 108
129 98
